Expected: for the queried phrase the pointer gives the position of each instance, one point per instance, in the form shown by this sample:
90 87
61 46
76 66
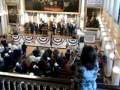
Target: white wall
3 14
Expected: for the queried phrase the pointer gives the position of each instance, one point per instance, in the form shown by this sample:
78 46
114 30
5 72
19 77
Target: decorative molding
11 2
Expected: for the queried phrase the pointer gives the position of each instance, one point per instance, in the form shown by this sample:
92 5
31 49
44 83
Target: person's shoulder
82 68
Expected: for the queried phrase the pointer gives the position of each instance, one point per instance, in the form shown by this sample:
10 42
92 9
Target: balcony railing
12 81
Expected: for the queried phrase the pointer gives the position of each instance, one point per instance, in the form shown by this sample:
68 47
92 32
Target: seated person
36 52
4 41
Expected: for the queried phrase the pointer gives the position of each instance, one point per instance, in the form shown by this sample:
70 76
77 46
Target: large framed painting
92 21
12 14
53 5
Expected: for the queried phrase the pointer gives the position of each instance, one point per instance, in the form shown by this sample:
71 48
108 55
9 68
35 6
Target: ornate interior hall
59 44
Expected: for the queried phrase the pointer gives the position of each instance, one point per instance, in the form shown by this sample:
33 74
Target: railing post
38 87
51 88
14 83
32 86
57 88
3 86
72 84
8 83
44 87
26 86
20 86
63 88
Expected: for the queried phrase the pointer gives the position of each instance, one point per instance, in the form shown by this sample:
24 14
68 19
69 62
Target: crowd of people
60 28
47 62
10 54
52 62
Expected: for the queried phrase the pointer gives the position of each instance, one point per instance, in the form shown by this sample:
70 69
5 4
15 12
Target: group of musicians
59 28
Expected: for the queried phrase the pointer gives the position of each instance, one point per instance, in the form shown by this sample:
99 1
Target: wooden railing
107 87
12 81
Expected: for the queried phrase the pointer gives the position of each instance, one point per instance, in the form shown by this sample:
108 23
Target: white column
109 65
4 24
14 83
83 13
78 21
116 73
115 79
22 10
3 14
78 16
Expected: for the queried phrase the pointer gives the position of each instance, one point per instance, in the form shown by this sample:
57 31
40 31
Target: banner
18 39
56 42
43 41
72 42
29 40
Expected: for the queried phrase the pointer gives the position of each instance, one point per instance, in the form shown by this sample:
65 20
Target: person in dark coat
61 29
53 29
35 70
1 63
70 27
31 27
7 62
4 42
17 54
21 67
67 54
39 29
24 48
36 52
47 54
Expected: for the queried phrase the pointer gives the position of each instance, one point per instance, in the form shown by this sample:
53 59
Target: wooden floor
30 49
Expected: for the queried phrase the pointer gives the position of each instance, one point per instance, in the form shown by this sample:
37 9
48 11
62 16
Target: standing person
61 29
88 69
24 48
4 41
53 29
